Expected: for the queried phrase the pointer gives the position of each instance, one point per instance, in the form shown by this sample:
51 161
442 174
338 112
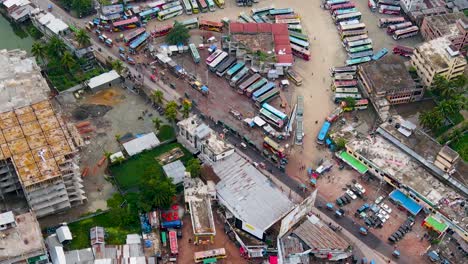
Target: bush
166 132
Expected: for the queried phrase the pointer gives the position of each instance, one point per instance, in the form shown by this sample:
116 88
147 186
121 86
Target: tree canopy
171 111
194 167
178 35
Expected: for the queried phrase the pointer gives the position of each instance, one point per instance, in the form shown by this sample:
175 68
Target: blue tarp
407 202
204 88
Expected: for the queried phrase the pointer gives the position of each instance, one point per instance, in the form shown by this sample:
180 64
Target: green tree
171 111
179 34
157 123
456 135
67 60
439 84
82 38
157 96
39 51
56 47
118 66
155 192
340 143
82 6
431 119
447 108
115 201
350 102
186 107
194 167
117 137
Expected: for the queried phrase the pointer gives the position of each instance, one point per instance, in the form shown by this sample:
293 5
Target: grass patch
461 147
166 132
62 79
129 173
114 235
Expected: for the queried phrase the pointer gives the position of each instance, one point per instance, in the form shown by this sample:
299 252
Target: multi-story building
453 25
418 9
38 151
437 57
198 137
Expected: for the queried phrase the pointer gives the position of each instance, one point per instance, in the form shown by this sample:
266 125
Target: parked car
384 213
351 194
398 234
386 208
340 213
348 197
382 218
392 239
363 208
360 188
369 222
339 202
345 199
356 191
378 200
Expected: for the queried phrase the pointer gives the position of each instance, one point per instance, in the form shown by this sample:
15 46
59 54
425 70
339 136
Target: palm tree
426 119
456 135
56 46
67 60
171 111
447 108
117 137
157 96
157 123
117 65
39 51
82 38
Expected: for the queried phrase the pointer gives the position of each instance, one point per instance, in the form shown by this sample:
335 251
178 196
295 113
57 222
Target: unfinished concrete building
38 151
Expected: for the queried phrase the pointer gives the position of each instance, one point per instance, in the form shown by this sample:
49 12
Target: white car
378 200
384 213
382 218
351 194
360 188
386 208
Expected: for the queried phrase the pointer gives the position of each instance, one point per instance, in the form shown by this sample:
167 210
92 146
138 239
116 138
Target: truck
200 87
171 224
326 166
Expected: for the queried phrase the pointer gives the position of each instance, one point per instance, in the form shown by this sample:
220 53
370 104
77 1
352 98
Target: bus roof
275 111
137 42
149 11
323 131
125 22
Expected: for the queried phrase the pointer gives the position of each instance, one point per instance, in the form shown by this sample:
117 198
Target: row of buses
398 27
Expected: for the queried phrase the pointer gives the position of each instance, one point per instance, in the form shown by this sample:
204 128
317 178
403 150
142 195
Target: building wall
459 41
9 182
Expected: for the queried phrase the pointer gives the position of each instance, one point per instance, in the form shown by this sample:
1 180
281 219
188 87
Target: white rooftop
103 79
133 239
139 144
248 194
175 170
63 234
7 218
10 3
54 24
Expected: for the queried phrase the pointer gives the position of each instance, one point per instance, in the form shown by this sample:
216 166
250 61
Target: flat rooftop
387 74
34 137
216 145
402 167
23 241
435 54
445 24
202 215
21 82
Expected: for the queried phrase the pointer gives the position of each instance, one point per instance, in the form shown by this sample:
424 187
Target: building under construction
38 151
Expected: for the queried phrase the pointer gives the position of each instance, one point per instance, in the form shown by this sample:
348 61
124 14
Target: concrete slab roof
445 23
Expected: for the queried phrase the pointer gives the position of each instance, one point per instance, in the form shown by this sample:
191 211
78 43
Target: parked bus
239 76
282 11
161 31
290 21
266 88
300 52
213 56
190 23
405 33
219 3
194 5
203 6
346 17
246 18
380 54
372 6
298 35
389 10
343 76
170 5
342 96
266 97
254 87
266 19
213 65
403 51
323 132
257 19
342 6
301 43
271 118
361 104
122 25
210 25
139 42
387 21
351 83
262 10
331 3
234 69
349 22
293 27
187 7
275 111
149 14
288 16
358 43
211 5
346 90
389 2
133 35
274 147
210 256
247 83
194 52
351 33
355 38
170 13
359 49
357 61
361 54
173 243
294 77
343 69
344 11
159 4
223 68
392 28
359 26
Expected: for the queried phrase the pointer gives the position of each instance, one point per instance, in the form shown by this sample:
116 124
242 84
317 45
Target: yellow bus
212 254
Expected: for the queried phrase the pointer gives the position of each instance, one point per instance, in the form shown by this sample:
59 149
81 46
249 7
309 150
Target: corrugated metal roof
317 234
139 144
175 170
103 79
64 234
249 195
235 27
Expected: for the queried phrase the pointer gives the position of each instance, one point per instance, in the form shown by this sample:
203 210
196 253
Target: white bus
187 7
213 65
405 33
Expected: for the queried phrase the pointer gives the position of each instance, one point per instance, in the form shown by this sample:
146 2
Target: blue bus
301 43
266 88
149 14
283 11
234 69
275 111
139 42
380 54
323 132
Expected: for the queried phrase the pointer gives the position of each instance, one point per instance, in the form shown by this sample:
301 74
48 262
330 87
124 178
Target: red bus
161 31
203 6
126 24
210 25
274 147
342 6
133 35
300 52
403 51
173 243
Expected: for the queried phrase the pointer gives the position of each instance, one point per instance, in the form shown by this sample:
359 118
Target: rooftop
387 74
175 170
201 215
54 24
23 241
137 145
248 194
37 141
216 145
21 83
435 54
103 79
445 24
